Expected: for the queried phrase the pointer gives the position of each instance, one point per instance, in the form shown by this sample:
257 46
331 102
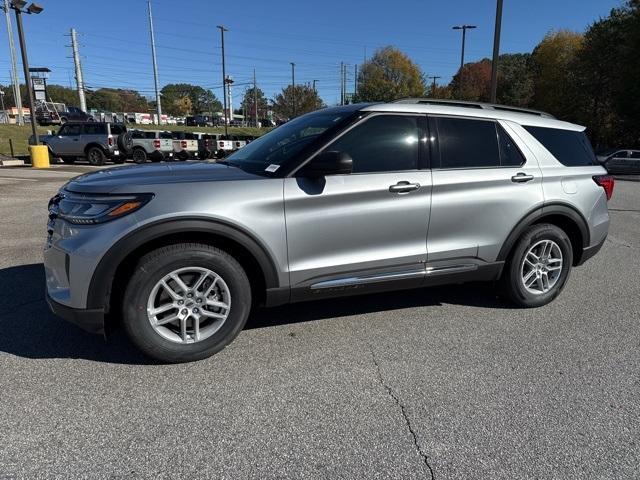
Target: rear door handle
404 187
521 177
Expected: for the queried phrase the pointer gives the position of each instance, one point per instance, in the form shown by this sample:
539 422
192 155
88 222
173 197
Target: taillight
156 144
221 144
607 182
110 141
237 144
183 144
206 142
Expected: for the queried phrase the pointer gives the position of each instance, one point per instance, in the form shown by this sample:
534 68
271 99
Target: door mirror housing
330 162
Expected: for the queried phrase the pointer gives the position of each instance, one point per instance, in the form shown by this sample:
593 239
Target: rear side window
166 135
117 129
467 143
510 155
570 148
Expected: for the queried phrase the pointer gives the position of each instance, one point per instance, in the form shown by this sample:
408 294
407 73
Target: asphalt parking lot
446 383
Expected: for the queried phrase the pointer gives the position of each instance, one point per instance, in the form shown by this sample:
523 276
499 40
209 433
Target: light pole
496 53
314 86
293 87
464 29
224 80
155 65
17 6
2 99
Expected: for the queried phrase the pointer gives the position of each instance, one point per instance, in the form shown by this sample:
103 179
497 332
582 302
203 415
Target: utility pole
79 78
224 80
155 65
464 29
355 78
255 98
434 77
341 83
496 52
293 85
314 86
27 80
17 98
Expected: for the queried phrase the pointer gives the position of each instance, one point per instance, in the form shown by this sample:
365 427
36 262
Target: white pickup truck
154 145
185 145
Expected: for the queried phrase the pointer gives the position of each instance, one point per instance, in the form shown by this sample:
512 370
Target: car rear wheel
139 155
539 266
96 156
186 302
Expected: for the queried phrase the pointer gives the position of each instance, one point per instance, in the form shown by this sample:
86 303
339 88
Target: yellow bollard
39 156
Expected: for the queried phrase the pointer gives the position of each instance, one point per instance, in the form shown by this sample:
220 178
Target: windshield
274 149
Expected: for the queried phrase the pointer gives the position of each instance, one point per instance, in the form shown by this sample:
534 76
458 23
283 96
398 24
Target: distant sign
39 88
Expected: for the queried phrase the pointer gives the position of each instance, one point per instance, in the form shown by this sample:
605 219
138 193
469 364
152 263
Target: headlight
82 209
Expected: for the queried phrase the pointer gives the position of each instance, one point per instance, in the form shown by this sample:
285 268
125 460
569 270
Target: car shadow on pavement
30 330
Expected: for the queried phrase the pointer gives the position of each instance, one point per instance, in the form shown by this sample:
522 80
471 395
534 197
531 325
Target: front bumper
91 321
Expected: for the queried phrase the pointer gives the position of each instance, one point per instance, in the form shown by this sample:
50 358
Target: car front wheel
539 266
186 302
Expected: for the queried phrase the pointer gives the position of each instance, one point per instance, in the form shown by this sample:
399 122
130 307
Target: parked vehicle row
621 162
101 141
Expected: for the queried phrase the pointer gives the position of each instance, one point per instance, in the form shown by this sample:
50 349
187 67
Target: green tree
515 79
389 75
117 100
554 63
248 102
202 100
306 100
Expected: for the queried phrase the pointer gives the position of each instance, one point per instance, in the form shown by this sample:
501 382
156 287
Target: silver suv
348 200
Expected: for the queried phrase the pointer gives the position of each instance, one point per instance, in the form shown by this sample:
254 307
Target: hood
136 177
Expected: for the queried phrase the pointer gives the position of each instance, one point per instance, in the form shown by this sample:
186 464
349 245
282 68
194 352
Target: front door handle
521 177
404 187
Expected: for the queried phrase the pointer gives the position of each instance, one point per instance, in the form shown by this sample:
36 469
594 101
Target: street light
2 99
293 87
464 29
18 6
224 80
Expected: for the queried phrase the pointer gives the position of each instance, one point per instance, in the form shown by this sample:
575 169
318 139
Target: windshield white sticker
272 168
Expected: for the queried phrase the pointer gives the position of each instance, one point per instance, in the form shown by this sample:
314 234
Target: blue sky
317 36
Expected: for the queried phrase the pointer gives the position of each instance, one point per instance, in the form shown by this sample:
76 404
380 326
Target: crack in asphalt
402 410
618 243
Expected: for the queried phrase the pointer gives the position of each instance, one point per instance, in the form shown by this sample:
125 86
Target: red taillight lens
156 144
237 144
110 141
183 144
221 144
607 182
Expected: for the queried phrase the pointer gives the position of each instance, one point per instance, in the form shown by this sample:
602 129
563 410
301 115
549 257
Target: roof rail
467 104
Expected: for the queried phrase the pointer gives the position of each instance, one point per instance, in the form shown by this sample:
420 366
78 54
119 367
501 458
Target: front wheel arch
113 268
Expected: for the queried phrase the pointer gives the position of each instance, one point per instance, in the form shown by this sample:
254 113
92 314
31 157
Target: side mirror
330 162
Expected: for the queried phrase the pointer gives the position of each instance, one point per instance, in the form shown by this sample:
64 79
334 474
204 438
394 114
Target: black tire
125 143
512 277
151 269
95 156
183 155
139 155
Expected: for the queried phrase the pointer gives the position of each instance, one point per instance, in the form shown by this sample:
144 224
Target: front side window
467 143
382 143
571 148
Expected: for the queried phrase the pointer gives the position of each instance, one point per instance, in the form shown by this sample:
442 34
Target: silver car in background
348 200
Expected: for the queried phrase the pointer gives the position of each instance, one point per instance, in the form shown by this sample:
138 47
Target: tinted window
510 155
570 148
137 134
635 154
117 129
95 129
165 135
467 143
622 154
383 143
69 129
